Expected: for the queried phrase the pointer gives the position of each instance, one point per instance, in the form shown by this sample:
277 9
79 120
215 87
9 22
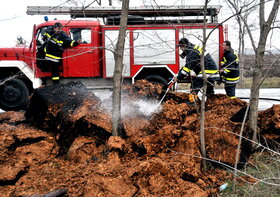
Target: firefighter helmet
183 41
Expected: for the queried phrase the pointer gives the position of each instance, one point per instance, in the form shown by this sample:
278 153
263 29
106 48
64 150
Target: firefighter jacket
56 43
230 67
193 66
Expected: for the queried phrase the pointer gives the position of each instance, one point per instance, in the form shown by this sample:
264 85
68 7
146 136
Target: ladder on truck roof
143 11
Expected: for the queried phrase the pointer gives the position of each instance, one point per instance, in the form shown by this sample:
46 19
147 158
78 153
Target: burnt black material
51 109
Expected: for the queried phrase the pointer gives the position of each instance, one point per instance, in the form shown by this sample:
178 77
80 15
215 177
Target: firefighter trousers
197 84
54 67
230 89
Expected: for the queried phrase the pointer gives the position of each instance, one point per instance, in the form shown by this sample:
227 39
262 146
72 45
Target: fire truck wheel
14 95
158 80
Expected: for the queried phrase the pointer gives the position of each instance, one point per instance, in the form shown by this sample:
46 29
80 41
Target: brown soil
65 142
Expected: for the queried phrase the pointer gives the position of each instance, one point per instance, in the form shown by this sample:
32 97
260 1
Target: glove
192 98
183 55
219 81
192 73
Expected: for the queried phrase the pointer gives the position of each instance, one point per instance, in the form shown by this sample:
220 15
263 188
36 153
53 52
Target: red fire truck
151 50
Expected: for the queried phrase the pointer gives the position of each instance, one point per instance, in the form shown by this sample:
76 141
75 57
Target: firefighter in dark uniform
229 69
193 70
57 41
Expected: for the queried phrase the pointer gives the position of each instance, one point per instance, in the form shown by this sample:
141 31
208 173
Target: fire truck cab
151 48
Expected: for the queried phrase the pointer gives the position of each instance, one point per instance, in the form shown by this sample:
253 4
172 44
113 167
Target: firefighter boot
55 80
44 81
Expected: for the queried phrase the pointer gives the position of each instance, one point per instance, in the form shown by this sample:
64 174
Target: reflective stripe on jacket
193 63
230 65
56 44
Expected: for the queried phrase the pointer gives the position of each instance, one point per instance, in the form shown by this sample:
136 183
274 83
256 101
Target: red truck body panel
17 53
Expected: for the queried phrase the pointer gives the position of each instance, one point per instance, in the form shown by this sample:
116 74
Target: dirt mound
67 145
142 89
269 124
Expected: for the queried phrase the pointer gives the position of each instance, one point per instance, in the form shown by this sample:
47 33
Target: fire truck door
78 61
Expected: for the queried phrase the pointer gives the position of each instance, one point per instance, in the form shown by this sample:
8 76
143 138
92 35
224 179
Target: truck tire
158 80
14 95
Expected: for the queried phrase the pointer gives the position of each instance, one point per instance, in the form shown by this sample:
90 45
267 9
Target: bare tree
118 55
265 26
203 99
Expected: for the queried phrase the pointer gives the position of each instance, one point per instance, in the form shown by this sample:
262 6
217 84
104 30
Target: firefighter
192 68
57 41
229 69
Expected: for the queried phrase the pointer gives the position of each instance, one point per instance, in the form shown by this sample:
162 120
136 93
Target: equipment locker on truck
151 50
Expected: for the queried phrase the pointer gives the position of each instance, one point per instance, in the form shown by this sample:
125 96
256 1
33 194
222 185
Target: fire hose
192 97
171 83
269 99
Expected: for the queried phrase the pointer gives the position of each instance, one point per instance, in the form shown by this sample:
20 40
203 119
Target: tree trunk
255 92
241 51
253 113
203 99
201 122
241 61
118 55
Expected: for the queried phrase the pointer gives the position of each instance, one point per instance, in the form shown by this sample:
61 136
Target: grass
272 82
265 168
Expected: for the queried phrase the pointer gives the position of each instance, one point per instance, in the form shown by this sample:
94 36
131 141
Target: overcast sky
14 21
